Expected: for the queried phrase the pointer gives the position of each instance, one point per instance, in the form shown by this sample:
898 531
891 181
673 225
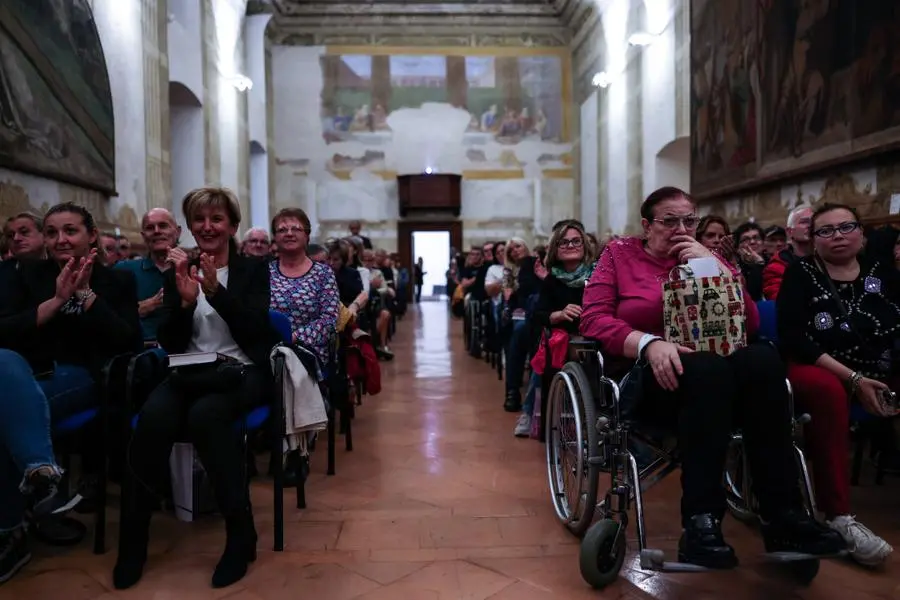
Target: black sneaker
42 495
14 553
796 531
513 402
702 544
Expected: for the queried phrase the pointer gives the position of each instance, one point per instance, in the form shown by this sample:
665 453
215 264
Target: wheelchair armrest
115 371
584 345
153 364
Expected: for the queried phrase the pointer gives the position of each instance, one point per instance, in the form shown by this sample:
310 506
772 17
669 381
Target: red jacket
773 273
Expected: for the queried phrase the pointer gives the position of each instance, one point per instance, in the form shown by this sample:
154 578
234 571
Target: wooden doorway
405 230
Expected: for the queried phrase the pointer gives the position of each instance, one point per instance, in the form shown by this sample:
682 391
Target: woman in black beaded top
838 325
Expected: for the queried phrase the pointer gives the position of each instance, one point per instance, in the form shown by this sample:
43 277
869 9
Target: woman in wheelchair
61 320
570 258
218 303
701 394
839 326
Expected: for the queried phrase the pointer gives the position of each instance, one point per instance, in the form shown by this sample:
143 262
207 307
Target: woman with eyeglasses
839 326
700 394
302 289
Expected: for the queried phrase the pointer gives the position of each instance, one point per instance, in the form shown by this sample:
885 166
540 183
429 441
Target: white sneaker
523 426
865 547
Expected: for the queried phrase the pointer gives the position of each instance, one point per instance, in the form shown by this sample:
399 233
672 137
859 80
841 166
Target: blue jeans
516 353
25 407
534 385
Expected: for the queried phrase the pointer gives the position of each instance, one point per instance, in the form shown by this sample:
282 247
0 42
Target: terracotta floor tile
438 501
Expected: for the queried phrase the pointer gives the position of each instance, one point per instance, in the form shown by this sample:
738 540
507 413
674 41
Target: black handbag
215 378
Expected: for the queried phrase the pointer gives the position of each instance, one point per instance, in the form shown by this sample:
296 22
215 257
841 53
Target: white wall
185 45
662 160
590 156
188 158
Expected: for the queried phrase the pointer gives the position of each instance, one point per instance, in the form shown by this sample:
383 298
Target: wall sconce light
241 82
641 38
601 79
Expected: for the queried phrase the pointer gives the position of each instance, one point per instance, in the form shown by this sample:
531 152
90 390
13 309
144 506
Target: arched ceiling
533 22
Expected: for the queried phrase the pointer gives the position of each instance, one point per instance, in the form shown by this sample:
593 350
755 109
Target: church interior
440 198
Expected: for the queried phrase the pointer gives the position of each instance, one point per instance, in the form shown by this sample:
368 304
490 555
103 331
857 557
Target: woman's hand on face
663 358
206 276
749 256
869 395
686 248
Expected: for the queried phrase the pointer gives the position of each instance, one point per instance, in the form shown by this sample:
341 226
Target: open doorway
433 247
453 237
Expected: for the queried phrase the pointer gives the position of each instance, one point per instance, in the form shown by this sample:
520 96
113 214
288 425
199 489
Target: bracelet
853 382
645 341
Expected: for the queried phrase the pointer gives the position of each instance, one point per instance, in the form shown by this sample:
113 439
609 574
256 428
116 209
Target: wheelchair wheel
572 441
737 498
602 554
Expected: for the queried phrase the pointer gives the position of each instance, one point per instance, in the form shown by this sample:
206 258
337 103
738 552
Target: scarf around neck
576 278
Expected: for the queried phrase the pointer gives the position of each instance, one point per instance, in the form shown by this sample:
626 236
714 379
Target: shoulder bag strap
834 292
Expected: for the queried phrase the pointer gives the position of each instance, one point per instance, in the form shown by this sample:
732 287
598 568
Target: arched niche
56 108
187 148
673 164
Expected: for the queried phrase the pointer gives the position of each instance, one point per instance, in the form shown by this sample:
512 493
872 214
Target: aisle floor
437 501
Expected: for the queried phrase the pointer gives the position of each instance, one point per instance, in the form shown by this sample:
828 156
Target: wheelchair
587 434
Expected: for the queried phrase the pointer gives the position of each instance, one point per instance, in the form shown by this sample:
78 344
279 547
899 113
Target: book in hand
197 358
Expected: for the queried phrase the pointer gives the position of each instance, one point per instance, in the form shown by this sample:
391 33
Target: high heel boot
240 549
134 535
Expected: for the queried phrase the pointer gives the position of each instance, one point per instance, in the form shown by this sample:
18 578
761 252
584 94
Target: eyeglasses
571 243
292 229
846 228
672 222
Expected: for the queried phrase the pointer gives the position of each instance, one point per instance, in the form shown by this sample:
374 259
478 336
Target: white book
195 358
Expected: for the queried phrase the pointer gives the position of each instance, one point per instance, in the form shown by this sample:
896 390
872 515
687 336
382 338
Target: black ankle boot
240 550
513 401
702 544
134 535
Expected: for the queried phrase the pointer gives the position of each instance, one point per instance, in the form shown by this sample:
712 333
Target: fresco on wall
56 115
725 50
783 84
515 105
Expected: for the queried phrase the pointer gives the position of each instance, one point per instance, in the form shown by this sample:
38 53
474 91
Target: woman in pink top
702 394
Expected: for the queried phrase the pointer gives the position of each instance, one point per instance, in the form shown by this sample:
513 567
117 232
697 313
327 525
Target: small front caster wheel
602 553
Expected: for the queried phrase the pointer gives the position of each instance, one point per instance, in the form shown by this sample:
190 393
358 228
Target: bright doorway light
434 248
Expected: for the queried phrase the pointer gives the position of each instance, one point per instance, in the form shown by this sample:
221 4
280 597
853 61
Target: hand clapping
206 276
75 276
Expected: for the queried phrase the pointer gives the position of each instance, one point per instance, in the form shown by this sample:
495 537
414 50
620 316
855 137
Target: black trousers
715 396
208 422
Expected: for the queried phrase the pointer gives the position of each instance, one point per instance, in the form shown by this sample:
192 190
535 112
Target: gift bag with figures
704 313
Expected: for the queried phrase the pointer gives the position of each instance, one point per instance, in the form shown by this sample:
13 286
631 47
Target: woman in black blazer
61 320
217 303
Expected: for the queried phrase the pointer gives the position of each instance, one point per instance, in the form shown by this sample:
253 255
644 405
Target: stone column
154 20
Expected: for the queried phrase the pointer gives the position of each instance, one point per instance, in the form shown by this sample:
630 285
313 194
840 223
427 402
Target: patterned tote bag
704 313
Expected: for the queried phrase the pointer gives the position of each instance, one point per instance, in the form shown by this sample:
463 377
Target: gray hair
256 230
792 216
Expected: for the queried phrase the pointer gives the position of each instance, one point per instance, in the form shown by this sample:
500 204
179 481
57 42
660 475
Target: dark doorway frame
405 230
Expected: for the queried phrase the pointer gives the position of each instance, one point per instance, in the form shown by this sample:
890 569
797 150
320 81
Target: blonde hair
509 263
211 197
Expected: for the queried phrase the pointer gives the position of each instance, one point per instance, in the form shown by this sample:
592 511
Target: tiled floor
438 501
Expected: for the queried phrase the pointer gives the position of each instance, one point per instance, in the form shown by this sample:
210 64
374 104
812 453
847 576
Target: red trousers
822 395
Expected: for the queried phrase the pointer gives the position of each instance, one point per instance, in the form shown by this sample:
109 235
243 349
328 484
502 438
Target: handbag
705 314
214 378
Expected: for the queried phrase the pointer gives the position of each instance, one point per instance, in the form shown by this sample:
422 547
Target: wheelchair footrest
653 559
787 557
